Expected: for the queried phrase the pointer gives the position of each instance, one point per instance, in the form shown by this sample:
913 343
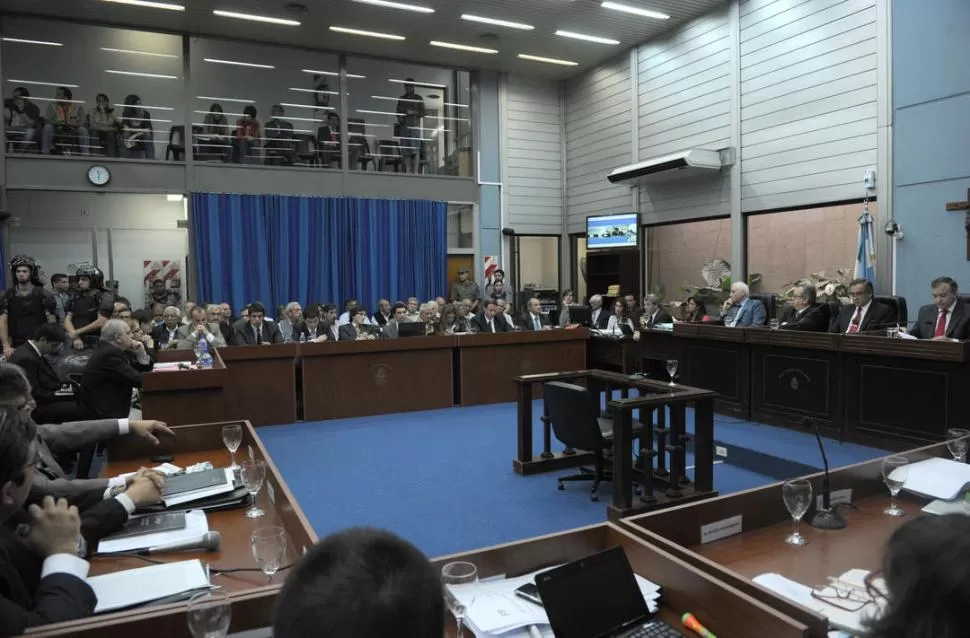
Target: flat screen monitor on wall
612 231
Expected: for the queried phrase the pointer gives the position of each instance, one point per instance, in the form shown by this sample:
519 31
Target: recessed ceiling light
143 75
235 63
499 23
369 34
334 74
39 83
398 5
539 58
149 4
461 47
223 99
129 51
44 42
647 13
587 38
431 85
255 18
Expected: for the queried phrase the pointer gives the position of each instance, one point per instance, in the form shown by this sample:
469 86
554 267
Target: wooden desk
185 396
620 354
362 378
261 383
761 548
252 596
717 358
725 610
488 363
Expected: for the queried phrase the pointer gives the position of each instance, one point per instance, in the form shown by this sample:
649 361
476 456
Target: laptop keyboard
656 629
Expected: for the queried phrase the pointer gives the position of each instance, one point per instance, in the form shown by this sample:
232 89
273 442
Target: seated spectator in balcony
357 329
311 330
280 145
247 137
620 316
410 112
21 118
328 137
398 317
693 311
104 126
137 135
803 313
65 120
292 317
383 314
215 138
257 331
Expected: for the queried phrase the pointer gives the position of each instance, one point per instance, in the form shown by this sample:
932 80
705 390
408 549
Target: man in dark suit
865 313
946 318
113 371
489 320
32 357
653 314
165 334
398 316
533 319
803 313
598 316
256 330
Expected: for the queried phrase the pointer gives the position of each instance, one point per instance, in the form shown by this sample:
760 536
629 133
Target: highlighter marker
694 625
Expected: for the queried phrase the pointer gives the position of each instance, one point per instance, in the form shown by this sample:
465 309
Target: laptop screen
593 596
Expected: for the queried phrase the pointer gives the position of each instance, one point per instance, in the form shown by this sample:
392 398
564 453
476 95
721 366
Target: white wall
56 228
533 152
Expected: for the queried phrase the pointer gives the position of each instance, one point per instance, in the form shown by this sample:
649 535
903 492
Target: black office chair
85 457
306 151
770 300
574 413
176 143
390 156
899 303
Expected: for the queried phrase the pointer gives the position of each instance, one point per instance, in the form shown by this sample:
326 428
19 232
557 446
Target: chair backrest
356 126
899 303
572 411
176 135
770 301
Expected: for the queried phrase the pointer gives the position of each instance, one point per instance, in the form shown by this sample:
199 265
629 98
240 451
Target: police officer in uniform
25 306
90 309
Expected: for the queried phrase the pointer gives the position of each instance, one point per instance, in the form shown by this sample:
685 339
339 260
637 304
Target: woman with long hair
137 136
216 134
621 315
448 321
693 310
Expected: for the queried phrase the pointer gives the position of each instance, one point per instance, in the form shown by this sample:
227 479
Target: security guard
25 306
465 288
90 309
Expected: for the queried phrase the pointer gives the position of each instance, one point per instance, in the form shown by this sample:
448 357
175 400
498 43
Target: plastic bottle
202 356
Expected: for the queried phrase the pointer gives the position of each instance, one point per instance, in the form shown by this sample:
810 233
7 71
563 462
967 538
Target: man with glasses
865 313
803 314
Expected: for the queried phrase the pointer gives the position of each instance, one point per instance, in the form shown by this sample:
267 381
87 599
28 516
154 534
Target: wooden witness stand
963 206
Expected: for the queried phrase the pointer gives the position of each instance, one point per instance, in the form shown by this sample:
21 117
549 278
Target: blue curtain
275 249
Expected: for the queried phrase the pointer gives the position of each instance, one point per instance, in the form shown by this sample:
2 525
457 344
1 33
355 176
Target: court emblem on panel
525 364
381 373
796 378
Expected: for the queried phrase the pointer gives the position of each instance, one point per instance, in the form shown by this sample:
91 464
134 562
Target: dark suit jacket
813 319
879 316
479 324
108 379
301 329
160 336
603 320
43 380
525 321
662 317
243 335
348 333
26 600
959 327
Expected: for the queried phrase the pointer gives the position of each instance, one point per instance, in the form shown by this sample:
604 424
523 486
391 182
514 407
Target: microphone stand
826 517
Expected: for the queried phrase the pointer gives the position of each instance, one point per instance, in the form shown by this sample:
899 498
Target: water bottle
302 337
202 356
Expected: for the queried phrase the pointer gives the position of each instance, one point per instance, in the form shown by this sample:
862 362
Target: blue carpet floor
443 479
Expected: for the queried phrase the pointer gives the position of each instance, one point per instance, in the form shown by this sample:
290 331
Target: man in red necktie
946 318
865 313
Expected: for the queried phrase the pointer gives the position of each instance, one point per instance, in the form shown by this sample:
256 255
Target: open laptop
598 597
411 329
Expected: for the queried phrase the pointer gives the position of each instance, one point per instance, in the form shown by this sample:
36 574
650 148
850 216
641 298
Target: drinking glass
894 472
798 496
956 440
232 438
773 323
269 548
458 573
672 370
209 614
252 472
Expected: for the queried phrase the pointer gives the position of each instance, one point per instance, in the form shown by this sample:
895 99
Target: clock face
98 175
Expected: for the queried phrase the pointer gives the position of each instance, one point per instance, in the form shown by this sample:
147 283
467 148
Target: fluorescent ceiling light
395 99
226 113
319 92
430 85
51 99
301 119
37 83
150 4
223 99
369 34
456 105
626 8
156 108
44 42
142 75
369 112
129 51
498 23
174 198
307 106
587 38
234 63
398 5
334 74
539 58
256 18
461 47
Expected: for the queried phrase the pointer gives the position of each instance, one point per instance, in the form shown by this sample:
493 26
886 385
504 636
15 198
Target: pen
694 625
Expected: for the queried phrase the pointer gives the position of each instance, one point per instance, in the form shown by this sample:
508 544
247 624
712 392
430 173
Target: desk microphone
209 542
825 517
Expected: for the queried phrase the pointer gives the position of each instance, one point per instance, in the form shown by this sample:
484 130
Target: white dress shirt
595 316
65 564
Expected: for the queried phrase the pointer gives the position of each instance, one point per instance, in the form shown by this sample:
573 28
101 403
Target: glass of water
269 548
209 614
232 438
894 472
956 441
773 323
672 370
253 472
458 573
798 497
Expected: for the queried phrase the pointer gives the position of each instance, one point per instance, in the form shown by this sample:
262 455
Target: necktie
535 321
491 326
941 325
856 320
259 336
650 321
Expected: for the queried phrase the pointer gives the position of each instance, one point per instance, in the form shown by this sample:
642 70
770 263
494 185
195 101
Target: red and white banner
490 266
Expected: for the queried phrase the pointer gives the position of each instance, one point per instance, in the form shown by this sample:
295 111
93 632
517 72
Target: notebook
150 524
182 483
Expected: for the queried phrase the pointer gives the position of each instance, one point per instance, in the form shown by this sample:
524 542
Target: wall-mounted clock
99 175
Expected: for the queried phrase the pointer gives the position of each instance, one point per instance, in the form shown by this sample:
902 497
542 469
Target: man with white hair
427 316
740 310
165 334
598 318
113 370
292 316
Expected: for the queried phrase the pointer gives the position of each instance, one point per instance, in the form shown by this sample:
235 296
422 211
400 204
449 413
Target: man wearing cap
465 288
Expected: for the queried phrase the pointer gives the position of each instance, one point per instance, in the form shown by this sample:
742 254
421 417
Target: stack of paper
146 584
850 621
959 505
935 478
196 525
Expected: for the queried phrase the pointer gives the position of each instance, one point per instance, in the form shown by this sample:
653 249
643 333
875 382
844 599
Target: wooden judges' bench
869 389
283 383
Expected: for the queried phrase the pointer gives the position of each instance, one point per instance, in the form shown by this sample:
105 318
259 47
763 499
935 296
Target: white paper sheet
196 525
838 618
145 584
936 477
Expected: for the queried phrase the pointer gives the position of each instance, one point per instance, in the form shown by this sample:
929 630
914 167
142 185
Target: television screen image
612 231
